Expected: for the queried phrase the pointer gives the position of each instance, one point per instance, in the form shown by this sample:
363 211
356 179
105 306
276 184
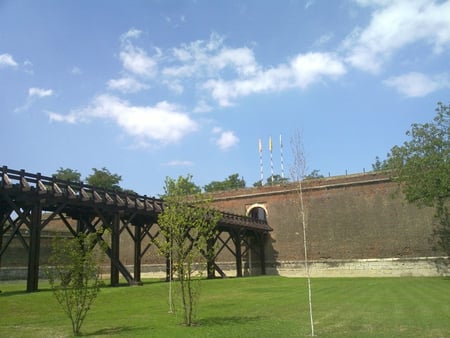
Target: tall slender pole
281 158
298 174
170 272
260 161
271 158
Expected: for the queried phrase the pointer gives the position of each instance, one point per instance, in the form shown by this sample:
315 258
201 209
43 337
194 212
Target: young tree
298 171
232 182
74 276
422 167
276 179
315 174
68 174
188 224
103 178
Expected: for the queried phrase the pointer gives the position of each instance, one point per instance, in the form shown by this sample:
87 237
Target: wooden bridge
29 202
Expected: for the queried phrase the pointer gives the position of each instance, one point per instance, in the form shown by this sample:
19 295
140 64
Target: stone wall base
376 267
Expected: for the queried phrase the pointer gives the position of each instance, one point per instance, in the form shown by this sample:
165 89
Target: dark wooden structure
26 197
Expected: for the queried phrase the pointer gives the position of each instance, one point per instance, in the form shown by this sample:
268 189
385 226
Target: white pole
170 272
281 156
271 158
260 161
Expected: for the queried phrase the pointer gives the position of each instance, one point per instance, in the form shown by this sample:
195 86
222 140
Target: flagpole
271 158
281 155
260 161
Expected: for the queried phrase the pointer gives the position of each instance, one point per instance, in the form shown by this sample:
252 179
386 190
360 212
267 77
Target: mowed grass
267 306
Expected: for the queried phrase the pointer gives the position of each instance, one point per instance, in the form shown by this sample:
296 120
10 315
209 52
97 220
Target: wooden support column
137 253
34 248
2 231
237 244
210 268
115 244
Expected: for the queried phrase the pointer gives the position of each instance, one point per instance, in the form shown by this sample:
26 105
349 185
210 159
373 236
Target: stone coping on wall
374 267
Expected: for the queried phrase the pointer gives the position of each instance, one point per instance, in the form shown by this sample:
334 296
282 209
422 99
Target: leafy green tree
315 174
68 174
422 167
103 178
188 224
74 276
380 165
272 180
181 186
232 182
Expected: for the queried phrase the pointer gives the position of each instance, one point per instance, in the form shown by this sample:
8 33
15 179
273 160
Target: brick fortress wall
357 225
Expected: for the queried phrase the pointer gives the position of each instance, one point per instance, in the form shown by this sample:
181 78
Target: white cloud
417 84
136 61
202 107
226 140
164 122
179 163
6 60
394 25
301 72
240 60
136 64
126 85
313 67
70 118
222 72
34 94
39 92
132 33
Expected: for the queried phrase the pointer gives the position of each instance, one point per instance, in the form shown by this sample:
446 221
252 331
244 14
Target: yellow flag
270 143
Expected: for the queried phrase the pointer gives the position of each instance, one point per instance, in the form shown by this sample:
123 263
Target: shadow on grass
232 320
7 293
112 331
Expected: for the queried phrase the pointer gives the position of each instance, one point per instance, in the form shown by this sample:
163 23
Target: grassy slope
247 307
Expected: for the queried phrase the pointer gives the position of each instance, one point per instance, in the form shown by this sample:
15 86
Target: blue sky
150 89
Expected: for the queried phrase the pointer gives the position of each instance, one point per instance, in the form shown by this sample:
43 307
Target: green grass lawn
268 306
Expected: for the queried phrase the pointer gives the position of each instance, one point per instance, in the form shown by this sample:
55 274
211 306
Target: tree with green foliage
232 182
103 178
380 165
68 174
422 167
183 186
315 174
74 275
188 224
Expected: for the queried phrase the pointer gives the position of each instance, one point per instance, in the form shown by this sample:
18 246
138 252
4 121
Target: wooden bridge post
34 248
115 244
210 258
2 231
237 244
137 252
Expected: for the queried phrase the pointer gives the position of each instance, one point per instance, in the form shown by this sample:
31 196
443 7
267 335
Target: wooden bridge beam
137 253
238 252
115 246
34 248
